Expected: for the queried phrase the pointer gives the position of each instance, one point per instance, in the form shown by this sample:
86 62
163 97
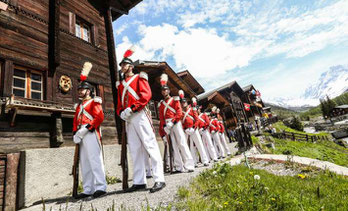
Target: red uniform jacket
136 94
214 125
202 121
89 112
169 109
189 117
222 128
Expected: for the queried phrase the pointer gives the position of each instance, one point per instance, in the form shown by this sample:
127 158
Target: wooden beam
53 37
11 181
112 66
8 78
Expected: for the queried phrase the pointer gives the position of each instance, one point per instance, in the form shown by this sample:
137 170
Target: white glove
169 125
201 130
80 134
213 132
128 112
165 141
167 130
123 116
77 139
187 131
192 131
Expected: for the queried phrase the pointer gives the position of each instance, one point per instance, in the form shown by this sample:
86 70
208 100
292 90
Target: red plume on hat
87 66
194 101
129 52
181 94
164 79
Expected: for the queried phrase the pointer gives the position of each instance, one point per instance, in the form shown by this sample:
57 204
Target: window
82 30
27 83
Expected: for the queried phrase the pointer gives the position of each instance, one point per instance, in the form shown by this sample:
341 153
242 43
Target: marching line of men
194 135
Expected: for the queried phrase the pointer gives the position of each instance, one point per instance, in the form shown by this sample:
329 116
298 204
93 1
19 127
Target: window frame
83 25
28 80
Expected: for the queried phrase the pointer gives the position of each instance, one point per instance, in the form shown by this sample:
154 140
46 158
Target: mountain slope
332 83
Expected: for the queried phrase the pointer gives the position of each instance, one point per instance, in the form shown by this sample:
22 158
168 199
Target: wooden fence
299 136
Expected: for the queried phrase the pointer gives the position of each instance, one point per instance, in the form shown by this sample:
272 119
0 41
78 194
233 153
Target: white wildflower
257 177
214 172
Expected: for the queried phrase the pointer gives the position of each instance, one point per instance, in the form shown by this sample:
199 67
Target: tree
327 106
296 124
324 108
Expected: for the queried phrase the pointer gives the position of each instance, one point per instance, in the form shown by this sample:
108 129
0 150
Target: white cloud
220 35
202 51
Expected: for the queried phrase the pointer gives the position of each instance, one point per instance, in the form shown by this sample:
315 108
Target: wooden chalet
154 70
191 81
229 99
339 113
254 101
43 46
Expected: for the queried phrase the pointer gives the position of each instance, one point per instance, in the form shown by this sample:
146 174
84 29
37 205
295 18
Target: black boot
82 196
98 193
157 186
135 188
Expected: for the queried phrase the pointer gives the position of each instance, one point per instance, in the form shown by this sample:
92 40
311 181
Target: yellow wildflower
226 203
273 199
301 176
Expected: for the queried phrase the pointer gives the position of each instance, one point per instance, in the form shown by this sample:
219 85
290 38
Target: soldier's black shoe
98 193
190 170
135 188
206 164
82 196
157 186
148 177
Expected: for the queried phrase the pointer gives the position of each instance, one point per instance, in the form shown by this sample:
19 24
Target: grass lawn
280 127
234 188
321 150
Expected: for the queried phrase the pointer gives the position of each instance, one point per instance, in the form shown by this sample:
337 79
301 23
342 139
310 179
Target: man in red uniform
222 133
134 93
86 128
189 119
214 130
170 113
203 127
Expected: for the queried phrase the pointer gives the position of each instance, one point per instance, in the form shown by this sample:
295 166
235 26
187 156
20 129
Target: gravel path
132 201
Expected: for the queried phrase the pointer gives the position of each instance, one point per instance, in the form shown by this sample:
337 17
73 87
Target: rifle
75 169
171 156
124 161
165 156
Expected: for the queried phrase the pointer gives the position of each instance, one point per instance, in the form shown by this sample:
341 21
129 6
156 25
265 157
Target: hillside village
44 46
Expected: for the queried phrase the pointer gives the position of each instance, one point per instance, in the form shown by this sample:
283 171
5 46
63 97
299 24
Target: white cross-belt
129 89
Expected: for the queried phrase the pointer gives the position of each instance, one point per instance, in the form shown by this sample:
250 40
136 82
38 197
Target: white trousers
218 146
209 145
224 143
147 160
195 139
142 143
182 155
92 165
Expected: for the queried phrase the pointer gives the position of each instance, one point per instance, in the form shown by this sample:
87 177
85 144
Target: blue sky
280 46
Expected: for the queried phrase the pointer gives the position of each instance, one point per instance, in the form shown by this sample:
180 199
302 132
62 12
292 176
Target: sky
279 46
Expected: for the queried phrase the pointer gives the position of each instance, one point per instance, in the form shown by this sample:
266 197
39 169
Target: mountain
331 83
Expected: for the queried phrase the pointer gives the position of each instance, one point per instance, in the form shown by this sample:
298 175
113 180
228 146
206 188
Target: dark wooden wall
24 40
